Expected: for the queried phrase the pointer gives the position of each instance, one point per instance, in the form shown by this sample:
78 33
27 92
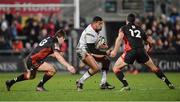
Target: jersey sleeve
90 38
63 47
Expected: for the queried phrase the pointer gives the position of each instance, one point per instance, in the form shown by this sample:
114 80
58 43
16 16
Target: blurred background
23 23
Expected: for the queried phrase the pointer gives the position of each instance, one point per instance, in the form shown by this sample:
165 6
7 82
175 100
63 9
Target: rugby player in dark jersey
49 46
133 37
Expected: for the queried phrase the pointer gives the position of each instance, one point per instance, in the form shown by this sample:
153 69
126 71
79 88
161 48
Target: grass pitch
144 87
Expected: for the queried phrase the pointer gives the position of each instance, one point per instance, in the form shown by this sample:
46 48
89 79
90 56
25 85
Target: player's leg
105 68
117 69
125 59
30 73
49 73
90 61
158 73
143 57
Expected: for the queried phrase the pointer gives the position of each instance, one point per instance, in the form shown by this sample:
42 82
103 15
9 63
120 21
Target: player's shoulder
47 38
134 26
124 28
89 31
138 27
50 40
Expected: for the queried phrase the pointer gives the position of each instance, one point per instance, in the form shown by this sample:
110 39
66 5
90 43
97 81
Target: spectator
17 45
3 44
9 17
43 34
50 27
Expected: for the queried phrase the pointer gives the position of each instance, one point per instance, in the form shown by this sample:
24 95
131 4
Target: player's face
99 25
60 39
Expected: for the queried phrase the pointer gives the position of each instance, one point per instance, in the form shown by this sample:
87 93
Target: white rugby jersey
89 35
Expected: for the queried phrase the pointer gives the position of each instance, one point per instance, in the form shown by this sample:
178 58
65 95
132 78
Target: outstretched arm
118 42
150 42
69 67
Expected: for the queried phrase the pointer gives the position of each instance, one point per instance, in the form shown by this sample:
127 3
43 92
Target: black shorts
32 66
140 55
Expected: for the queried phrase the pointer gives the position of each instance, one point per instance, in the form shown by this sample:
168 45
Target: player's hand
108 52
113 53
103 46
71 69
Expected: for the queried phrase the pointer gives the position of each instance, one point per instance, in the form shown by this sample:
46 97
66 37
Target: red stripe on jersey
40 55
127 45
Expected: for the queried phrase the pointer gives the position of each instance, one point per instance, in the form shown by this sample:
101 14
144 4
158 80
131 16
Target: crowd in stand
17 35
165 30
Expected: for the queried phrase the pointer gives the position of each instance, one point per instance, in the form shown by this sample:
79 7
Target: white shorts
81 53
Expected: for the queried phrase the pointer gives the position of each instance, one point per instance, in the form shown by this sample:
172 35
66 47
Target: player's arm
61 59
149 43
118 42
92 49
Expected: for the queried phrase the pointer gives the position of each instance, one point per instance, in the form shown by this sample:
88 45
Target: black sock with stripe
121 77
46 77
161 75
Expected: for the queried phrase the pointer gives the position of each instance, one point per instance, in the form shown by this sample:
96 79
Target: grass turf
144 86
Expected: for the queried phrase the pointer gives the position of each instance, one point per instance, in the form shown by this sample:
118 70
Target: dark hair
97 18
60 33
131 18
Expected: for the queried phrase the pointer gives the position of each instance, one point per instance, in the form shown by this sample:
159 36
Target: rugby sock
17 79
104 77
161 75
46 77
121 77
84 77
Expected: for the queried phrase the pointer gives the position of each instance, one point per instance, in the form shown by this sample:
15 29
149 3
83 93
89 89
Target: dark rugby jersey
44 48
134 37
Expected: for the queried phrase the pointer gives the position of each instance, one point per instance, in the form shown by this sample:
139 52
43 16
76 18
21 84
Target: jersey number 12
135 33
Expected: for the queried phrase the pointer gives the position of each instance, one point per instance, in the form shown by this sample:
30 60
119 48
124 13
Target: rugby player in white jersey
88 52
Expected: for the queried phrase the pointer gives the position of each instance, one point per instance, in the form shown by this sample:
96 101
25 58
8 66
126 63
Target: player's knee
51 72
27 76
116 70
95 69
155 70
92 71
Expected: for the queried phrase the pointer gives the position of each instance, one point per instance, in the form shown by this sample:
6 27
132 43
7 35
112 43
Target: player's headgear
60 33
97 18
131 18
